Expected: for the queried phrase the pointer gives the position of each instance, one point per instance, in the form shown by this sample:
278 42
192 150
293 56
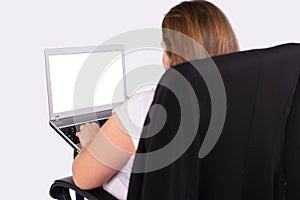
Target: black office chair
256 156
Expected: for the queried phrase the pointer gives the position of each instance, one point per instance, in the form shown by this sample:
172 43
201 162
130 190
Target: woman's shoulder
142 95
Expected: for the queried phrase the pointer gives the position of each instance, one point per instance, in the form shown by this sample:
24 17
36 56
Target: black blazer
257 155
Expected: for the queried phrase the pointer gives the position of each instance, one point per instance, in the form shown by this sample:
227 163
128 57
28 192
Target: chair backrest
256 155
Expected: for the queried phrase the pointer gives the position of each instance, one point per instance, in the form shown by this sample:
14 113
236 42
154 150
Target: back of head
204 23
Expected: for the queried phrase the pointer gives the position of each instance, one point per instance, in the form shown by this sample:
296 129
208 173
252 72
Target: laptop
81 86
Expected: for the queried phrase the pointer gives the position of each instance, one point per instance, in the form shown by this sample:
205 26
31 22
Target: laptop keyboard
70 131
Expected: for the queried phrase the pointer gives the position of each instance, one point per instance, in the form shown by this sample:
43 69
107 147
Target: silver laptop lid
69 72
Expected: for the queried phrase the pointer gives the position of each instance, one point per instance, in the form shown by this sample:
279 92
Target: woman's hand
87 132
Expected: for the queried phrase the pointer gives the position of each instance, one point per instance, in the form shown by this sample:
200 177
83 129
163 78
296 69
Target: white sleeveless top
131 114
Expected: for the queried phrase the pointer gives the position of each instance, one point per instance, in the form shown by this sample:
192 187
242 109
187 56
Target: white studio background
32 154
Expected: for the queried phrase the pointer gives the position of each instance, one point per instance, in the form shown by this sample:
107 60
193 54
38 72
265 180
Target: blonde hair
204 23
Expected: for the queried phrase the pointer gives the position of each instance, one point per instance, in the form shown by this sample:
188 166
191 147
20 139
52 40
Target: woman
107 154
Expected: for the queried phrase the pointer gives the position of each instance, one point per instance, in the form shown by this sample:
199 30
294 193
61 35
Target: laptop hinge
56 118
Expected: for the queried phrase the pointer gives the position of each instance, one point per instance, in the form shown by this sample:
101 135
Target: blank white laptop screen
64 70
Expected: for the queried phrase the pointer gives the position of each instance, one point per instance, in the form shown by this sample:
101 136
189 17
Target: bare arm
88 169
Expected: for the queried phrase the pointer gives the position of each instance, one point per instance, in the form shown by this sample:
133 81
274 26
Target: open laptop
70 72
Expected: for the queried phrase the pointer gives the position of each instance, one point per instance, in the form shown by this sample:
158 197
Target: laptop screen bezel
77 50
